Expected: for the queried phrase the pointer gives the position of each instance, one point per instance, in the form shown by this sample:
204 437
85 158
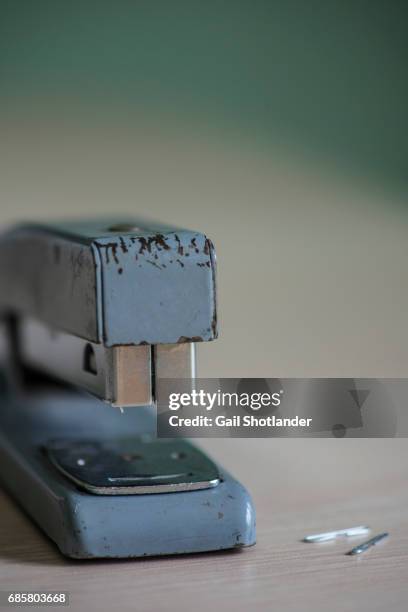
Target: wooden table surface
299 487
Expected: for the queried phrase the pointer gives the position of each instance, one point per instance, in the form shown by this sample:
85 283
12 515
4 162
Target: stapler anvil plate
109 308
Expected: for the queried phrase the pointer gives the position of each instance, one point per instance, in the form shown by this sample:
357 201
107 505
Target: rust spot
180 249
214 323
145 245
157 241
161 241
153 263
123 245
110 246
184 339
193 245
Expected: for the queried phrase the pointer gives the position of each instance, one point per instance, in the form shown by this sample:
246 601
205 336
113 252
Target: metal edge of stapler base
84 525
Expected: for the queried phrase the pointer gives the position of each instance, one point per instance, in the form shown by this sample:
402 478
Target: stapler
95 311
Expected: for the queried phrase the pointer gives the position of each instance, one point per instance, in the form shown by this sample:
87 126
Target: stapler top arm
110 307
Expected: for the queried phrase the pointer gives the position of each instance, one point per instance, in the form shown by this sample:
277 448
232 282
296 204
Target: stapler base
85 525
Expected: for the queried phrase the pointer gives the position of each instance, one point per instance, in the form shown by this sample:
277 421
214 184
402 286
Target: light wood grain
299 487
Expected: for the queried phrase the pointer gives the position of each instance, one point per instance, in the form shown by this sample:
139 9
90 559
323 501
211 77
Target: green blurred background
280 128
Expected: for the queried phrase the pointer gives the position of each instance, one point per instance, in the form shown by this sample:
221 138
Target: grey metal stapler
109 308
